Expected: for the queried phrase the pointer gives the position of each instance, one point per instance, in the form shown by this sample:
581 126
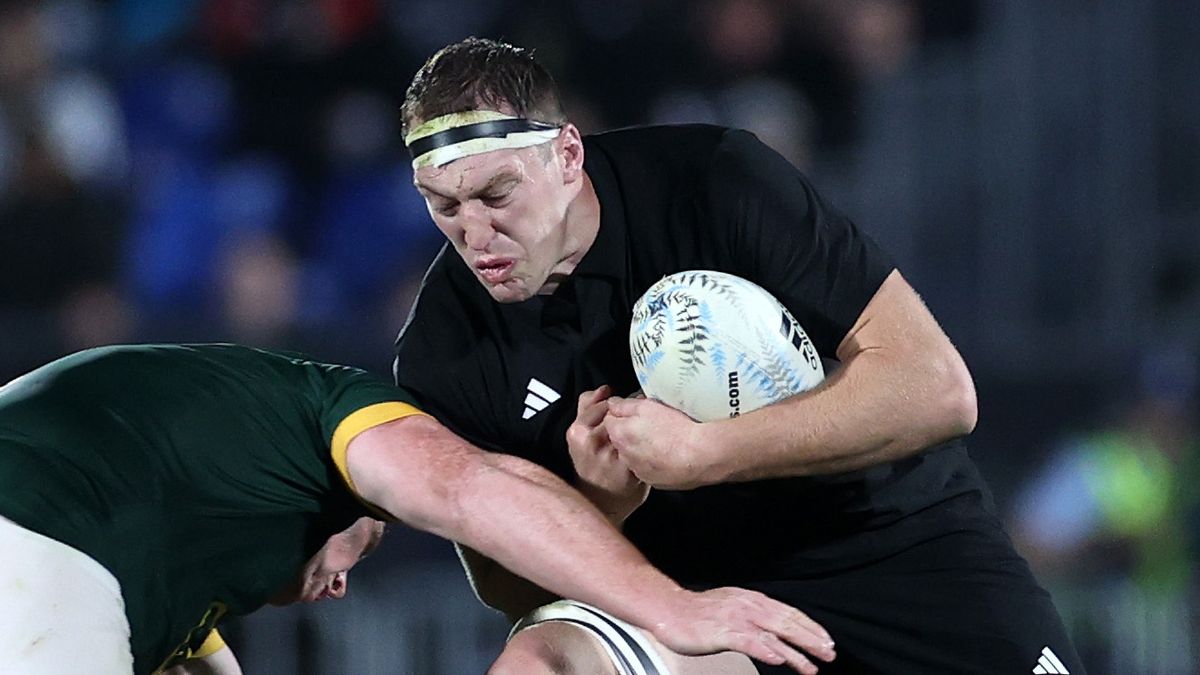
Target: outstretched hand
734 619
660 445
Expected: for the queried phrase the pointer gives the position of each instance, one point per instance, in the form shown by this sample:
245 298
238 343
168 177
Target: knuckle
577 434
581 401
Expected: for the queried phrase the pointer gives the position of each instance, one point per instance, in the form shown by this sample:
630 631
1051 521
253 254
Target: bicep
897 346
411 468
896 320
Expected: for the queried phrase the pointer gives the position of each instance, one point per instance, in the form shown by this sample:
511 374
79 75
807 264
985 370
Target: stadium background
231 170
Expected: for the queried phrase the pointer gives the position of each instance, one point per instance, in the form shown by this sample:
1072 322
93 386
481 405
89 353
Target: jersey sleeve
356 401
783 236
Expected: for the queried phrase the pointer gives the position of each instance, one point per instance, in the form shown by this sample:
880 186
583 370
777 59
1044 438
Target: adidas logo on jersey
1048 663
538 397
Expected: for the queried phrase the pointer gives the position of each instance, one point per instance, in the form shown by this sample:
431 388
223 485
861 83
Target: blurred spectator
61 244
370 226
1113 514
775 111
258 282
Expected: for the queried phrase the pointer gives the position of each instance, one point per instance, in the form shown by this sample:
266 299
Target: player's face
327 573
505 212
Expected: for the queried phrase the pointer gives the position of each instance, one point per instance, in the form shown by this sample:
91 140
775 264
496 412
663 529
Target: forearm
902 387
875 409
548 533
511 511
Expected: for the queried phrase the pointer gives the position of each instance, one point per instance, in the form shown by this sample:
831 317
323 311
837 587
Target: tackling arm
532 523
509 509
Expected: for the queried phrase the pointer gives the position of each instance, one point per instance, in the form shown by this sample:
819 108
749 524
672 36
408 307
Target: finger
600 437
587 398
785 620
591 407
801 631
621 407
591 415
618 432
766 647
821 648
789 655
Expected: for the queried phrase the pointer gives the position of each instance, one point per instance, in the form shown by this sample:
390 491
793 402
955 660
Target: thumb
621 407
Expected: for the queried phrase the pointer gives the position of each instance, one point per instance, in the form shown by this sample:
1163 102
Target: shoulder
684 160
700 143
649 136
682 146
651 170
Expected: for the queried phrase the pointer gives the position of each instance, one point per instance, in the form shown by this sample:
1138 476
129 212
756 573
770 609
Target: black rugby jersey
507 376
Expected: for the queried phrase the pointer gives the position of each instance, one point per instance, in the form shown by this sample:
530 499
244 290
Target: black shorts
964 602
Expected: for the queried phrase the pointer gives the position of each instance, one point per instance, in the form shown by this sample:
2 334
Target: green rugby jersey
202 476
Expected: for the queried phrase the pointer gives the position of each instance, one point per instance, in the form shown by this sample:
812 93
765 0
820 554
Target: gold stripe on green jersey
359 421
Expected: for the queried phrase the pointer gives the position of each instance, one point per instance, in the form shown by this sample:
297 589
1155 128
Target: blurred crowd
231 170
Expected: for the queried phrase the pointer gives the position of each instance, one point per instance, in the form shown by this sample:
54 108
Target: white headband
444 139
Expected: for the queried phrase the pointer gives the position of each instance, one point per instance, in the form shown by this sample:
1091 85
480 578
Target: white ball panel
714 345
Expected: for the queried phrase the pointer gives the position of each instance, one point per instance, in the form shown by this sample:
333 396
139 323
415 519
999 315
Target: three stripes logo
538 397
1048 663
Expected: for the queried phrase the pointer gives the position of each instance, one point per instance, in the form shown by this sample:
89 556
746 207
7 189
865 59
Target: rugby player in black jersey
147 492
856 502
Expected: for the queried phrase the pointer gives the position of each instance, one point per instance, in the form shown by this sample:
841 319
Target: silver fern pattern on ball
721 337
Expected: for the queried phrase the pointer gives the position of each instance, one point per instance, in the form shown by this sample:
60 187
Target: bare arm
602 478
532 523
902 387
513 511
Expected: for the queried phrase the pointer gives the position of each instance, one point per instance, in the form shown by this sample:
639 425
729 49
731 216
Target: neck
582 224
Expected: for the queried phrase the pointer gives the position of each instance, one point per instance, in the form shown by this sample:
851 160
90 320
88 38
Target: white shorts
628 648
60 611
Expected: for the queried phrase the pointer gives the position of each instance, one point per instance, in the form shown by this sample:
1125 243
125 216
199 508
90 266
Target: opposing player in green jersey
146 492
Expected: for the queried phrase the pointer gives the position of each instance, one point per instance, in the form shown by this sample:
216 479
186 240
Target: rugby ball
715 345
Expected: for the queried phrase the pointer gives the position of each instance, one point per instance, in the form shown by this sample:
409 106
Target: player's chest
534 372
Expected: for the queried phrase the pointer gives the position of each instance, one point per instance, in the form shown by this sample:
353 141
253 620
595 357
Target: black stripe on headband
490 129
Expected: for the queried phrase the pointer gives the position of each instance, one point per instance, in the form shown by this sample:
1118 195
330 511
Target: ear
570 149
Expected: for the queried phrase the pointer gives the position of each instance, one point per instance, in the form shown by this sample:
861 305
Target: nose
337 587
477 226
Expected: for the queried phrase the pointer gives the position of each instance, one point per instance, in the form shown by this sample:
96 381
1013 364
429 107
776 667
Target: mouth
494 270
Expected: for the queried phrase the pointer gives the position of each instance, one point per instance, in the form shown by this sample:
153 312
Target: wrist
660 611
715 453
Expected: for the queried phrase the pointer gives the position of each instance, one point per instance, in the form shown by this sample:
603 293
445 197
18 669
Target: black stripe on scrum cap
624 665
646 661
490 129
